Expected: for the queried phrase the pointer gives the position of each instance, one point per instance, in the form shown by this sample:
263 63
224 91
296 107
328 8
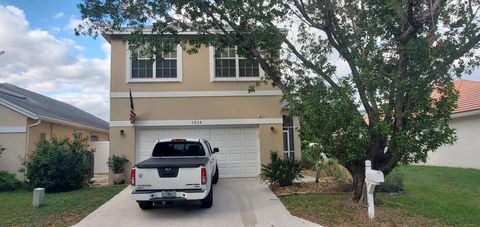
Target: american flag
132 110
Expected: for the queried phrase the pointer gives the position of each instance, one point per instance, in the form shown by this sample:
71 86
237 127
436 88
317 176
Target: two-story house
197 95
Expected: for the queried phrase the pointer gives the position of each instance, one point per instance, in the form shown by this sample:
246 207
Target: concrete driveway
237 202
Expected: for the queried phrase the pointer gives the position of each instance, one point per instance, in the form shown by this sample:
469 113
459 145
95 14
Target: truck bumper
155 196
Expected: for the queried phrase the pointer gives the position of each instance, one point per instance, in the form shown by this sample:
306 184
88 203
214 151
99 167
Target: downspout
27 143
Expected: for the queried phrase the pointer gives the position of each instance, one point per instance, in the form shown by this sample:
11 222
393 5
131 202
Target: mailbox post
372 179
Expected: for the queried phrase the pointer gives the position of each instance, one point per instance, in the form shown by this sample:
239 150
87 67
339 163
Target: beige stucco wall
270 140
10 118
58 131
197 108
123 145
466 151
195 68
14 143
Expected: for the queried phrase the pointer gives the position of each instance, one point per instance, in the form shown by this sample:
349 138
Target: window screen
225 65
166 65
248 68
288 142
142 67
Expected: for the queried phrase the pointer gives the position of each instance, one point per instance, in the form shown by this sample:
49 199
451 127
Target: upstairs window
166 67
227 65
142 67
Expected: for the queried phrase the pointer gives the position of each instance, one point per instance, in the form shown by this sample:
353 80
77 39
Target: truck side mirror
215 150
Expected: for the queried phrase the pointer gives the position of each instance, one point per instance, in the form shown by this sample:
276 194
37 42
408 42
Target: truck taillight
132 177
204 176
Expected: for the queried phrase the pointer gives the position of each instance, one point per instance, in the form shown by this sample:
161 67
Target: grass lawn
59 209
433 196
451 195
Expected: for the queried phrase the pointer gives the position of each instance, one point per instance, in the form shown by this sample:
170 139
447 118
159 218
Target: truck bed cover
173 162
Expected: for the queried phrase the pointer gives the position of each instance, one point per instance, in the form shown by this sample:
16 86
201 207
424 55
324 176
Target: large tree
401 56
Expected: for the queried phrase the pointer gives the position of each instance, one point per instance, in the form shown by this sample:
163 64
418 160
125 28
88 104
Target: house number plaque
196 122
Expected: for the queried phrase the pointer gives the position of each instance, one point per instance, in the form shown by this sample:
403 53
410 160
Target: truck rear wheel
208 201
215 177
145 205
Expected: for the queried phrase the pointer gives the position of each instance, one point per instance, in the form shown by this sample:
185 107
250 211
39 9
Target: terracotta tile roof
469 95
468 99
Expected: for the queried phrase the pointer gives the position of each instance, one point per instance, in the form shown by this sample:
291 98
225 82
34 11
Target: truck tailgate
169 173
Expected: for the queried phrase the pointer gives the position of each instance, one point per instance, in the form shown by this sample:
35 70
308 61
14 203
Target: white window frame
128 73
237 77
93 134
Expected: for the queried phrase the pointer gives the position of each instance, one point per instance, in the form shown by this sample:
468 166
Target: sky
42 54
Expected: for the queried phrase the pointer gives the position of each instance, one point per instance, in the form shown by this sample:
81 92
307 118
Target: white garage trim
13 129
178 94
210 122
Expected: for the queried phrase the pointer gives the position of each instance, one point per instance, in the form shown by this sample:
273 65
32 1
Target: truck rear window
169 149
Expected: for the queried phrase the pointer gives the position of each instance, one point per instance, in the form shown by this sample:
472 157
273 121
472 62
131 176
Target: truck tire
215 177
208 201
145 205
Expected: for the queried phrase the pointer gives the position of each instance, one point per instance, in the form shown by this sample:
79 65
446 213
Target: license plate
169 194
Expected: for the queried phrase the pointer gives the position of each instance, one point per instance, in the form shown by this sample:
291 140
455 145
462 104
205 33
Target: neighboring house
197 95
27 118
466 120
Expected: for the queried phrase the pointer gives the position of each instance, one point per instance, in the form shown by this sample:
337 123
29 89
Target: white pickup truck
179 169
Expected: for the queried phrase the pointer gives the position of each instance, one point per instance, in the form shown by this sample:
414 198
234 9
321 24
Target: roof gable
35 106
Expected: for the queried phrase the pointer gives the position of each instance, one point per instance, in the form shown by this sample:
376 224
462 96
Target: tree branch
454 55
415 24
342 49
301 8
247 44
317 70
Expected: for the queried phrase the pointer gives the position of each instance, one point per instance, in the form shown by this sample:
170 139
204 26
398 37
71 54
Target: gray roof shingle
43 106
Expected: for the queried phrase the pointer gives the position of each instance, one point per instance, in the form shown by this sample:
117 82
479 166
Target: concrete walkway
237 202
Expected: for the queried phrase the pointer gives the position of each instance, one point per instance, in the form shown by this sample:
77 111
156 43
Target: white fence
100 149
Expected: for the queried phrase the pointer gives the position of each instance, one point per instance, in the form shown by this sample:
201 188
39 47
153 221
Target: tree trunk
359 194
317 173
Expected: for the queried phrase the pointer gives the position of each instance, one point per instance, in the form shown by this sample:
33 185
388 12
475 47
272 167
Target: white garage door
239 146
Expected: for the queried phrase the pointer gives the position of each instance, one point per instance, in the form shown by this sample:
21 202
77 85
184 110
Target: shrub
331 168
281 172
117 163
8 182
393 183
307 163
58 165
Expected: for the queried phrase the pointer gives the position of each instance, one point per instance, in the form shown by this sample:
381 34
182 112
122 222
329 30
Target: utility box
38 196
